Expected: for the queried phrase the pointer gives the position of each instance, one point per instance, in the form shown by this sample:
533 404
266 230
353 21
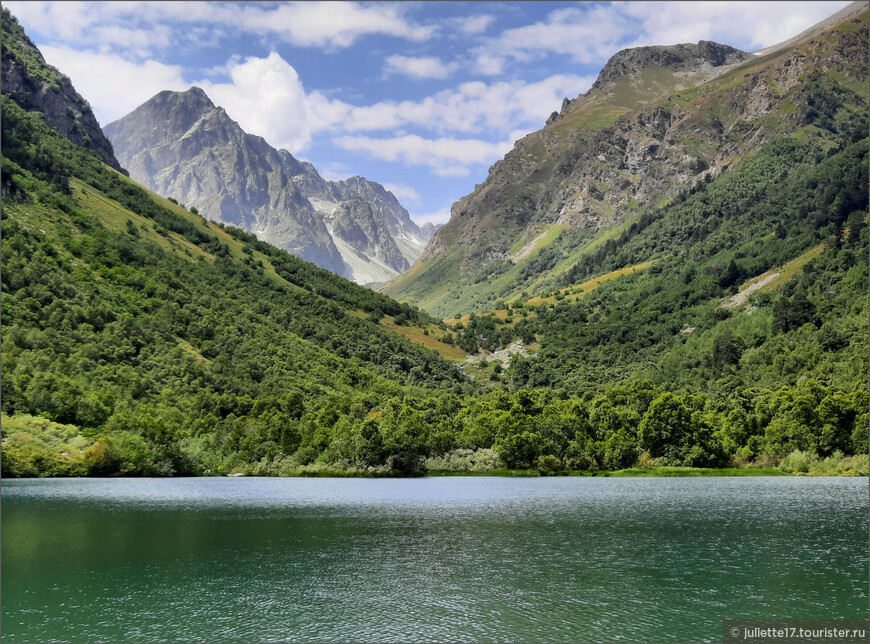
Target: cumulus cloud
266 97
131 83
418 67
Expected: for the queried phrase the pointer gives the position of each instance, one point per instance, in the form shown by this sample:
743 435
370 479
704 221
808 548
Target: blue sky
420 96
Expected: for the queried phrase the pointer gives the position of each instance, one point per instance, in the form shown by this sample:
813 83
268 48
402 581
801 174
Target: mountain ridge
28 79
182 145
620 150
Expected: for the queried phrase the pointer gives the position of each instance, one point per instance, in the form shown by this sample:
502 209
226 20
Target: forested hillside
123 312
726 327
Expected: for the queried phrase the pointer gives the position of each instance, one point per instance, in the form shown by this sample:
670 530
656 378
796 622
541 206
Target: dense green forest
140 339
124 356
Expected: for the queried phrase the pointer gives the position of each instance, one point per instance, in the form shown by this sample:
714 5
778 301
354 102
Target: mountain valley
672 272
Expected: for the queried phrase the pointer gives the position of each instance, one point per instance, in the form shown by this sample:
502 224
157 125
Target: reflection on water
441 559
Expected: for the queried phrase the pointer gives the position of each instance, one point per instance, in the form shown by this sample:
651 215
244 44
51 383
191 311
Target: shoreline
633 472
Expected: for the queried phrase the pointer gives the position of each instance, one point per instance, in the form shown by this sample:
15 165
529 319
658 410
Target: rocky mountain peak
429 229
181 145
684 58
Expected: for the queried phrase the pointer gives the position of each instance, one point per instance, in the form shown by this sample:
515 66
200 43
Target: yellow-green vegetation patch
519 244
795 266
849 27
603 234
544 239
114 216
432 340
36 216
773 278
187 347
590 117
34 446
857 86
808 463
578 291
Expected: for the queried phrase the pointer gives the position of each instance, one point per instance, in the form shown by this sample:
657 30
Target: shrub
549 463
798 461
465 460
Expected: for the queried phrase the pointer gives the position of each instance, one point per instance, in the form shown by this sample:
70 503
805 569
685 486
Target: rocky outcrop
38 87
703 60
181 145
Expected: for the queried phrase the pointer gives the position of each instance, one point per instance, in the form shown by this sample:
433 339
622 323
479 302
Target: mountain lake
476 559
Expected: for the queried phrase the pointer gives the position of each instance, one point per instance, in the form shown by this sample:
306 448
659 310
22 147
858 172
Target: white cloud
335 171
418 67
266 98
405 194
336 24
131 84
308 24
593 33
470 107
476 24
140 41
586 34
440 216
445 156
488 64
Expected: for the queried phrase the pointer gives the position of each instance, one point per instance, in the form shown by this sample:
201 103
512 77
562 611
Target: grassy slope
86 271
115 217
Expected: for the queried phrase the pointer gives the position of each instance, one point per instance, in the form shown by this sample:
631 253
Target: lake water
436 559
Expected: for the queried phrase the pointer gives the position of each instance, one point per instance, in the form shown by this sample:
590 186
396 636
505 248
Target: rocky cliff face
181 145
36 86
657 120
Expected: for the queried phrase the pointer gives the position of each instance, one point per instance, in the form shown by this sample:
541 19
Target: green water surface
436 559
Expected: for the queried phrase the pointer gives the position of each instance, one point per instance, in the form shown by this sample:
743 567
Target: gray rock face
181 145
36 86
